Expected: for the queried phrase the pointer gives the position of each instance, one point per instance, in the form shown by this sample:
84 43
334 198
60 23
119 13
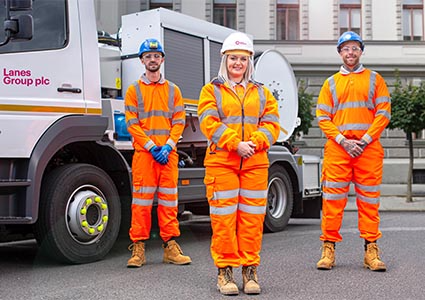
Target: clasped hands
353 147
246 149
160 154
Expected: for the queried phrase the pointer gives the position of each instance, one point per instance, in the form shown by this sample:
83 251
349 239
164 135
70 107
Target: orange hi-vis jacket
226 120
160 117
354 105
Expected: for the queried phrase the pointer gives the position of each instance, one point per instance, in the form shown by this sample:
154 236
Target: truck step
10 186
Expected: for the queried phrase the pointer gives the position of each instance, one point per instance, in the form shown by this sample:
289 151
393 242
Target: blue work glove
156 154
165 152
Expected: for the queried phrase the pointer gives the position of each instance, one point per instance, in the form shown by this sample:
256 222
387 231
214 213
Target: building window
350 16
413 20
287 20
161 3
224 13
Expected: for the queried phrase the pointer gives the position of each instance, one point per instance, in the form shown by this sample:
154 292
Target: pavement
393 198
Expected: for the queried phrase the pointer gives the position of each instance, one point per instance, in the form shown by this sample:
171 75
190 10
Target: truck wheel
280 200
80 214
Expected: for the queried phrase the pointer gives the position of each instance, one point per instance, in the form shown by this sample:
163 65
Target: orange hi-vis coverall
353 105
155 116
237 187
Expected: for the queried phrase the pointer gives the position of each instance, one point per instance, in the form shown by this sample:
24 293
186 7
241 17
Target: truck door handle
71 90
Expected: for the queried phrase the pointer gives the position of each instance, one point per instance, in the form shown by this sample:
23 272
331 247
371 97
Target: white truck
65 154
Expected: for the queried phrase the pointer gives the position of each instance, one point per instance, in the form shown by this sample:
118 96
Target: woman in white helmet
240 119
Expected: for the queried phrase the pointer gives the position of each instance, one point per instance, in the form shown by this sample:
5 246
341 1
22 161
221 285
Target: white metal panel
29 105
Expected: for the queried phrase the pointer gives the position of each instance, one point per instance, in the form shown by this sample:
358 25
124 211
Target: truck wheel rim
87 215
276 198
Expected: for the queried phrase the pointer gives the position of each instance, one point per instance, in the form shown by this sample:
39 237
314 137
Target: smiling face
236 66
152 61
350 53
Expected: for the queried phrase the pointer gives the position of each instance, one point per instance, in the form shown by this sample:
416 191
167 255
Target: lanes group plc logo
23 78
240 43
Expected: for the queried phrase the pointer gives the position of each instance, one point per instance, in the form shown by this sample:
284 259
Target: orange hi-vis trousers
365 171
237 200
150 177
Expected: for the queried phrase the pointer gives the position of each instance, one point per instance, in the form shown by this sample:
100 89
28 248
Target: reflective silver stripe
131 108
384 113
270 118
328 196
372 83
262 99
178 121
268 134
226 194
167 203
219 101
339 138
157 132
334 96
132 121
168 191
368 188
367 138
145 189
257 194
368 199
178 108
354 104
382 99
218 133
222 211
254 210
233 120
324 107
149 145
208 112
171 97
142 202
171 143
251 120
355 126
320 118
140 103
333 184
155 113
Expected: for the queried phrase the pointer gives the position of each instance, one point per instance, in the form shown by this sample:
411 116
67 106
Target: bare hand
246 149
353 147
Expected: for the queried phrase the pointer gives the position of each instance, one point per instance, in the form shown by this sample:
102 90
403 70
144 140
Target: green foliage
407 107
305 106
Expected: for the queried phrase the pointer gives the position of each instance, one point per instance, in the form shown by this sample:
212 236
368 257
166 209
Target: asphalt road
287 270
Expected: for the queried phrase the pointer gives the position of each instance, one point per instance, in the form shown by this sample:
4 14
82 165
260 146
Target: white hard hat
238 41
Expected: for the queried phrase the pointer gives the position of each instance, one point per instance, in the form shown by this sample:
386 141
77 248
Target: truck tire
80 214
280 200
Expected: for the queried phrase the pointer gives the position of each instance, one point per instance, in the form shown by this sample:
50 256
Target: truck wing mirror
16 5
24 26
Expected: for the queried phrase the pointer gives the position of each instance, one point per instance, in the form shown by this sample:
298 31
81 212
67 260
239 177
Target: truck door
41 79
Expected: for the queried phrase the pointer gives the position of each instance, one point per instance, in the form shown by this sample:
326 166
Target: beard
152 67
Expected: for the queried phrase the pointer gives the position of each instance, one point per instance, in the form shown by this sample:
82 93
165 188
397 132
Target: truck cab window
49 32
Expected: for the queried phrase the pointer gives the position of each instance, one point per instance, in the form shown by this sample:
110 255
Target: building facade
305 32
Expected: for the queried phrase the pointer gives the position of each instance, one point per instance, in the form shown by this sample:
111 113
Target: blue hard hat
349 36
151 45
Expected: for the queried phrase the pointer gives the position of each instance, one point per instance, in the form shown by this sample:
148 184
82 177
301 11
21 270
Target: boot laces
228 274
250 273
374 251
137 250
327 250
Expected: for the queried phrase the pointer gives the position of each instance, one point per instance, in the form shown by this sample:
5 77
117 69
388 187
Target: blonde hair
223 73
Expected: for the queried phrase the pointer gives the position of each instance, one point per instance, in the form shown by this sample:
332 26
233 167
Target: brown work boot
372 260
250 280
138 256
173 254
327 261
225 282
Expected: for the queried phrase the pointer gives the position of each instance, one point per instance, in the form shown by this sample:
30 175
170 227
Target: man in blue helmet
353 108
155 118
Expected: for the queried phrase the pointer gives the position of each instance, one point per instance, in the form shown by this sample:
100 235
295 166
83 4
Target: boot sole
228 293
176 263
326 268
382 269
134 266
